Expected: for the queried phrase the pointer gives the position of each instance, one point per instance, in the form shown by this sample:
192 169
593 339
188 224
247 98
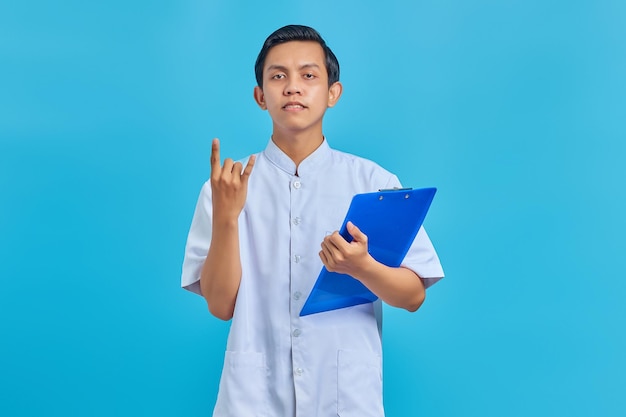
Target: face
295 88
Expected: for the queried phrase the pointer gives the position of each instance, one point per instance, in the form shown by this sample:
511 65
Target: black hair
296 33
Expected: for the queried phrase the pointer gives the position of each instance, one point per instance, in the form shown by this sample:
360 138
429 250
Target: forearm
221 272
399 287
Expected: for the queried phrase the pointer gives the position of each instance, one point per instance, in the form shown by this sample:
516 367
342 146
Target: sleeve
423 260
198 241
421 257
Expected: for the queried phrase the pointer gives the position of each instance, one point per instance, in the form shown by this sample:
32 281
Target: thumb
356 233
248 170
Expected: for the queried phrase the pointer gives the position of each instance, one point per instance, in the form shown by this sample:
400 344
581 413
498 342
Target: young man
259 238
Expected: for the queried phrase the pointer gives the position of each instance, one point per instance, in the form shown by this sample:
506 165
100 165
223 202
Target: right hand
229 184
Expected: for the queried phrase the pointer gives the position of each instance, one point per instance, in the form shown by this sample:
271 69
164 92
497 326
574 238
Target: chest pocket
244 386
359 384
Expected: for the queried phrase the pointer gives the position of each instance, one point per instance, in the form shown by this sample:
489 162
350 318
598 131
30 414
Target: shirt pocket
243 386
359 384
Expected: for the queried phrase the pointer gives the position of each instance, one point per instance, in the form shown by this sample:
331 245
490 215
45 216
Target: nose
292 88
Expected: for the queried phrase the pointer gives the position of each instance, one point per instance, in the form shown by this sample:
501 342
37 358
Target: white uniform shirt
278 363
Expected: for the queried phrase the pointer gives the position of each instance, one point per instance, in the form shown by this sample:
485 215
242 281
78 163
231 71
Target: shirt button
297 333
298 371
296 258
297 220
297 184
297 295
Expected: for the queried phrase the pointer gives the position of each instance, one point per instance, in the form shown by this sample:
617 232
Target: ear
259 97
334 92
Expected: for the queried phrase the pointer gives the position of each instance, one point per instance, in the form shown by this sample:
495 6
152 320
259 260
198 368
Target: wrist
367 269
226 222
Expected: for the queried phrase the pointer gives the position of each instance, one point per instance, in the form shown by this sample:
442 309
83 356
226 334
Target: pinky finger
326 261
323 257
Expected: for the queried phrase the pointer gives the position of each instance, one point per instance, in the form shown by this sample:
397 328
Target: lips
294 105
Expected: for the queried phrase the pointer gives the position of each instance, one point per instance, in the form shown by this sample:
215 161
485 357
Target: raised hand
229 184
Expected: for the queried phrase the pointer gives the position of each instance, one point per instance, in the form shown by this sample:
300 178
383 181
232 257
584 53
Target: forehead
295 54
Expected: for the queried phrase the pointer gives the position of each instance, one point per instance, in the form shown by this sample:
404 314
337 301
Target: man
260 236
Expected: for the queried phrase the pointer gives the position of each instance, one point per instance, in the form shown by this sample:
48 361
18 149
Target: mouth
293 106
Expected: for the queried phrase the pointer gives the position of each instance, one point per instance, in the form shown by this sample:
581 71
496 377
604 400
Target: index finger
336 240
215 155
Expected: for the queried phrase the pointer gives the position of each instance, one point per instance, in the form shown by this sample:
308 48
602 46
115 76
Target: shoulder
244 160
362 167
355 160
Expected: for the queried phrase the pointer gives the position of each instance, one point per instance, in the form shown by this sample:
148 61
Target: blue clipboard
391 220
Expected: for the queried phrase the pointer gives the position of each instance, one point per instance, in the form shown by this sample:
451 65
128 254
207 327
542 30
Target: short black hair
296 33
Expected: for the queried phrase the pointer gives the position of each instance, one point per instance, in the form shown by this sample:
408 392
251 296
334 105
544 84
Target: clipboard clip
395 189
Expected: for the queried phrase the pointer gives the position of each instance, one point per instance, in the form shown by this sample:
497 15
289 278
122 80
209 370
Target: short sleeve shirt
276 362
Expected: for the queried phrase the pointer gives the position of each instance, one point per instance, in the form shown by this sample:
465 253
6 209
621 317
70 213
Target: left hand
352 258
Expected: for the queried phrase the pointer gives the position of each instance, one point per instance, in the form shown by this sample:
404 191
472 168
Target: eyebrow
283 68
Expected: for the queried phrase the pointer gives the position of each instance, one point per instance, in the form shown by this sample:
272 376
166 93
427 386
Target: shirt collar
307 166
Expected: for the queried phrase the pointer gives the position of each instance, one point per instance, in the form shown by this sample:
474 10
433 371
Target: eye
278 76
309 76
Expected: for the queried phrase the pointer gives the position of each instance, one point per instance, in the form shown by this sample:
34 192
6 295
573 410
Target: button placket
298 254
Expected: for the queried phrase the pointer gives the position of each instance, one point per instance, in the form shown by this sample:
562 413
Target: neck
298 146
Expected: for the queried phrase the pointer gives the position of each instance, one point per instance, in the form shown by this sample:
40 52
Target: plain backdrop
515 110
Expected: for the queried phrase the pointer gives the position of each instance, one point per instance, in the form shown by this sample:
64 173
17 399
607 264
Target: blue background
515 110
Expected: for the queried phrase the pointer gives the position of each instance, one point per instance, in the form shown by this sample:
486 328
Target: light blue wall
515 110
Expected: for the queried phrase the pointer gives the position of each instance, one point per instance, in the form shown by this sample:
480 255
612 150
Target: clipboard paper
391 220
